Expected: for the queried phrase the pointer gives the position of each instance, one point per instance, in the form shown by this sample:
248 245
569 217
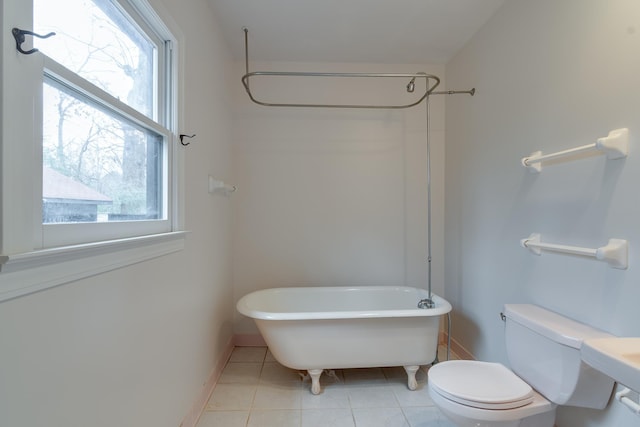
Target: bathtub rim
442 306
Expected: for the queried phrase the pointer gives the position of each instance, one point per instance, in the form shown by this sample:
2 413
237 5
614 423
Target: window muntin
97 166
107 107
36 256
103 45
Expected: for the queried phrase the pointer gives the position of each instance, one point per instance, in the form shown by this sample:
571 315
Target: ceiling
375 31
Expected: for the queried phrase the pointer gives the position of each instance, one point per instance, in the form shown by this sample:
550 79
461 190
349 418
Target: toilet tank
543 348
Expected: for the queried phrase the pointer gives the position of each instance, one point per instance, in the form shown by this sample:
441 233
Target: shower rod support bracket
471 92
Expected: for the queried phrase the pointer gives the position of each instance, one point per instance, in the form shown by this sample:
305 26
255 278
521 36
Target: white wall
333 197
133 347
549 75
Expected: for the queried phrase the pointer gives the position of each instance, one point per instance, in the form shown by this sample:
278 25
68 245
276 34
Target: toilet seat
482 385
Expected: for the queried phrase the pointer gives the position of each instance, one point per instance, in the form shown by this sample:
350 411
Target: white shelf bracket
614 146
532 243
531 163
615 252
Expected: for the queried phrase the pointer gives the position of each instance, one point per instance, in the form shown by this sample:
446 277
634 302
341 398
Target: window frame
54 235
33 255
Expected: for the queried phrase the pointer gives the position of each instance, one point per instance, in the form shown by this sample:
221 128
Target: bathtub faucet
426 303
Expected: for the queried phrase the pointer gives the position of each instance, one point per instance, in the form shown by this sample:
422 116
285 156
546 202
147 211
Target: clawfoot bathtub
317 328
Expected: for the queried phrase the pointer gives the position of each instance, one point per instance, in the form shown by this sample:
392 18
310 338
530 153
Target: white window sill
22 274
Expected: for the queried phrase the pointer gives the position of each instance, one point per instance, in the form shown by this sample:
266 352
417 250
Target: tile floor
256 391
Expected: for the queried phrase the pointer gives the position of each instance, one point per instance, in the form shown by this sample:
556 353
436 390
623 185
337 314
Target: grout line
300 410
255 393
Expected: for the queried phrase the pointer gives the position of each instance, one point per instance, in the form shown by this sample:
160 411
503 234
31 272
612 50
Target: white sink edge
617 357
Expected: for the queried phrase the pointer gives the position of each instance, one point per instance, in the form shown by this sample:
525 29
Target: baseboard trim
456 347
191 420
249 340
242 340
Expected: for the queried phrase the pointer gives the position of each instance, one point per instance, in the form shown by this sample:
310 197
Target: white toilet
543 349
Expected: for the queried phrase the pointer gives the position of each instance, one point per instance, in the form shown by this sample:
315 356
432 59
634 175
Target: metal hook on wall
19 35
183 136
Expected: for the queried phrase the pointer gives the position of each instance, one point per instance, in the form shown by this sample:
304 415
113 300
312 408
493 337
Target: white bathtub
316 328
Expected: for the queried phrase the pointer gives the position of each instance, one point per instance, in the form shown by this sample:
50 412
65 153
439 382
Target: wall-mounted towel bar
623 397
614 146
215 185
615 252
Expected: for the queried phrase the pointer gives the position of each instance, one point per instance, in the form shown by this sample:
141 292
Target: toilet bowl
543 349
483 394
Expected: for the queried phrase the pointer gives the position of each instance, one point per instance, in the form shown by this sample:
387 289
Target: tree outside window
110 167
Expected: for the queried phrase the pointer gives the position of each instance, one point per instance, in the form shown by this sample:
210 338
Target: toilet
543 349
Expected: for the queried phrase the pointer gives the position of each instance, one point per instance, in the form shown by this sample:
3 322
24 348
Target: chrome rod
427 77
325 74
429 89
428 159
471 92
247 76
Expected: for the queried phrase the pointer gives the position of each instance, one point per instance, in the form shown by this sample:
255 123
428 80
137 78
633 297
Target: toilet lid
480 384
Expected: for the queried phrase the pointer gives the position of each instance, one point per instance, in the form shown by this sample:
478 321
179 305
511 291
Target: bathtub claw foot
412 383
315 380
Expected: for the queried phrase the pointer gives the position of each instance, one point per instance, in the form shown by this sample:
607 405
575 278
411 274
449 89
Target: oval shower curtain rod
429 90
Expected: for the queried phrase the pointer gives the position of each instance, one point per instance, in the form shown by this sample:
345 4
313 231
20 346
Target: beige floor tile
232 397
327 418
394 372
372 396
409 398
275 372
269 357
270 418
364 375
426 417
331 397
285 395
256 391
248 354
244 373
380 417
224 419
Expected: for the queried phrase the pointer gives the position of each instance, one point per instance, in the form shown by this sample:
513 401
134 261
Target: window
104 45
96 166
88 152
100 163
104 122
